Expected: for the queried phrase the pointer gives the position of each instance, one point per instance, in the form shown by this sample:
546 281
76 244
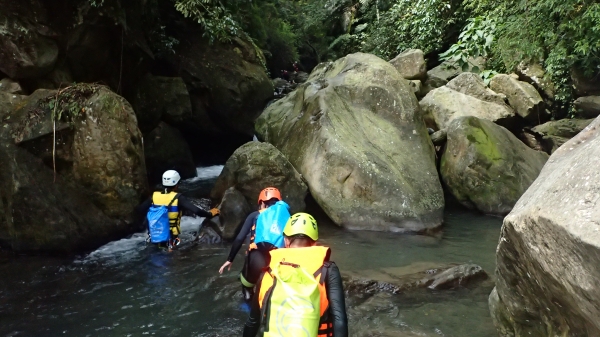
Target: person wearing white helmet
176 203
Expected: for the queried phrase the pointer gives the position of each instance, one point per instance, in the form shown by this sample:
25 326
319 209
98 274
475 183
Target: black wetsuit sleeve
239 240
337 301
144 206
253 323
189 206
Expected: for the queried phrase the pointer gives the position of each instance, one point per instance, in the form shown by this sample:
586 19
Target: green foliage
474 41
68 103
423 24
560 34
216 20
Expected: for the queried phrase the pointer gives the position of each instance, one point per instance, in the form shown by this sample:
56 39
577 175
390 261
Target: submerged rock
549 250
256 165
412 277
165 149
555 133
441 106
486 167
355 134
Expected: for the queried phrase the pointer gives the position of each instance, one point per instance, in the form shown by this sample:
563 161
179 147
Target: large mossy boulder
256 165
355 132
41 213
27 45
228 83
549 250
165 149
442 105
163 98
486 167
555 133
98 143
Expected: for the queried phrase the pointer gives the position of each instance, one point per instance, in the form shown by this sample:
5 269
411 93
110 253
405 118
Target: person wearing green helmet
316 280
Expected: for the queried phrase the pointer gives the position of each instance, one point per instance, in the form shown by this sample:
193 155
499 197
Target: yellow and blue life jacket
164 199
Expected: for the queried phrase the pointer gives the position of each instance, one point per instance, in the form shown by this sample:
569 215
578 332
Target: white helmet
170 178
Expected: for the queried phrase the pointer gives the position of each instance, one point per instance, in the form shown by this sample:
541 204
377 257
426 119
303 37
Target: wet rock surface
413 277
549 249
234 209
40 213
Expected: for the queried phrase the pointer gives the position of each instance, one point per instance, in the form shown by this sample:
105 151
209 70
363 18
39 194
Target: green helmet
302 223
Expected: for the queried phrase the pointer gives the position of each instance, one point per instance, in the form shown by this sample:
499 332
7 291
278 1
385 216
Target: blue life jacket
270 224
159 223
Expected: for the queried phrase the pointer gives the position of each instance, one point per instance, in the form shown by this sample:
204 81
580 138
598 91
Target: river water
127 288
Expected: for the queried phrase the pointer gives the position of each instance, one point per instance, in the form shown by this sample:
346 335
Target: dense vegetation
561 35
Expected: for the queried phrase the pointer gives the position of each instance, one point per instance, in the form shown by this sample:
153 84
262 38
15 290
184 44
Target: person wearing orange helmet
266 234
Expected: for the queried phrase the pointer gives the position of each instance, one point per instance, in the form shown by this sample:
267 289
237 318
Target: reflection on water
129 289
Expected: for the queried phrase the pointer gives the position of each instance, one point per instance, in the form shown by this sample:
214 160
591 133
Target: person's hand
225 265
215 211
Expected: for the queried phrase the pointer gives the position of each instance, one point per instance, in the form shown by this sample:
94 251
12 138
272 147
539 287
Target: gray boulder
355 133
8 103
449 70
535 75
411 64
486 167
583 85
228 83
234 209
472 85
11 87
159 98
442 105
549 250
165 149
587 107
27 45
555 133
522 97
256 165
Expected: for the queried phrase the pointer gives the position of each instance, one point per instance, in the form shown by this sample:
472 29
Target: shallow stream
127 288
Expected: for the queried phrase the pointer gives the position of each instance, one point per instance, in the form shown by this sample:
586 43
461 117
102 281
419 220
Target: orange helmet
268 194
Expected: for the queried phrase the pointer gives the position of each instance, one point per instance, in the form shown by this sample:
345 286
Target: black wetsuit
256 259
335 315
